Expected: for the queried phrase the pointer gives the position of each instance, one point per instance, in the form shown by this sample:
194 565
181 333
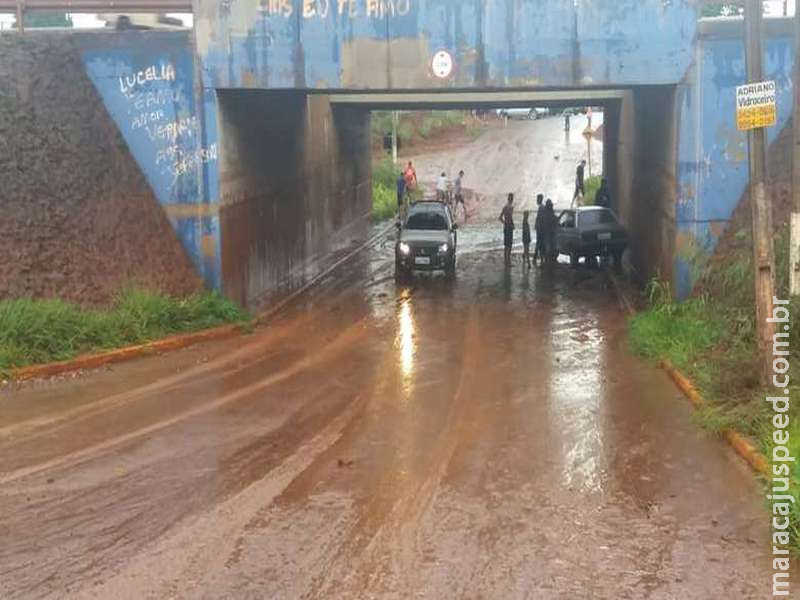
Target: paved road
486 438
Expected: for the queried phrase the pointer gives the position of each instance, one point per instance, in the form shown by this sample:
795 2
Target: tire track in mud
349 336
195 374
184 562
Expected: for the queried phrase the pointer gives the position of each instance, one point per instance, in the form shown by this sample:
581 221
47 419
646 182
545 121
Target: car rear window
427 220
597 217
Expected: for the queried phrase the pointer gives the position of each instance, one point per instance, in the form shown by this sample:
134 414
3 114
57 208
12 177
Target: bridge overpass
252 137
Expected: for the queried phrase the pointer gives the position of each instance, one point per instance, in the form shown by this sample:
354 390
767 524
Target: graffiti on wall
157 107
148 89
310 9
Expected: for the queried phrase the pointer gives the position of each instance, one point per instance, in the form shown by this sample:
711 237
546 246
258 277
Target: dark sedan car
589 232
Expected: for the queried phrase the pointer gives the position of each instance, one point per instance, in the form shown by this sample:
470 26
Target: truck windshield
427 220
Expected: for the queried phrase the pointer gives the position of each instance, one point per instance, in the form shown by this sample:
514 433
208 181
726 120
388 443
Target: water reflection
578 398
405 343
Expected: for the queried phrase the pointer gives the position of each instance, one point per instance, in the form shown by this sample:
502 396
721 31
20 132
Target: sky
88 21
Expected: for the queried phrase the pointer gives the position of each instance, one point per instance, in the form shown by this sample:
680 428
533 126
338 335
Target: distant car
591 231
523 113
518 113
426 241
123 22
541 113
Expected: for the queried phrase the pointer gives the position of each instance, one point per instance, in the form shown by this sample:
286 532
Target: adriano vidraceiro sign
756 106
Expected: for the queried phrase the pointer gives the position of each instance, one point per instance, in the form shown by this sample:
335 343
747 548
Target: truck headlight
404 248
443 249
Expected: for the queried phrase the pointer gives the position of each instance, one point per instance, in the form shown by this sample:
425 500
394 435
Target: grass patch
41 331
384 190
591 185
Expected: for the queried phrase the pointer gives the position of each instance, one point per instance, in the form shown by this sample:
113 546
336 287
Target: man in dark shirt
538 225
603 196
580 190
401 192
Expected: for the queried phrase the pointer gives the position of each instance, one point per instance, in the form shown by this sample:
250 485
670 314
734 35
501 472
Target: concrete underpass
277 146
490 435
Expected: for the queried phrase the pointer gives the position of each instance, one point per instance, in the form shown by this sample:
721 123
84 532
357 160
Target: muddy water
488 437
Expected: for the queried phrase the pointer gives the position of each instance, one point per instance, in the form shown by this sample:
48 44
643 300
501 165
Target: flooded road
489 437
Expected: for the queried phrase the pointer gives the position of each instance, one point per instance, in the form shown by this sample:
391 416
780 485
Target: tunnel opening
298 170
634 147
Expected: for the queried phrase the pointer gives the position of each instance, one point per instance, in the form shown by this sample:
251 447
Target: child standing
526 239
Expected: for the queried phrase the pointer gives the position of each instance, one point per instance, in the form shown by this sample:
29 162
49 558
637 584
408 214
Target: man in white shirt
441 188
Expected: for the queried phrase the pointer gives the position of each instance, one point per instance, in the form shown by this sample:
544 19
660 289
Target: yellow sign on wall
756 106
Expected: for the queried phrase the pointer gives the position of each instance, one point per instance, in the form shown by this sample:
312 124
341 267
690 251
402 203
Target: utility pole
395 118
20 15
794 234
763 252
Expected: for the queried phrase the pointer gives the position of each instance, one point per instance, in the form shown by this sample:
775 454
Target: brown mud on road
489 437
526 158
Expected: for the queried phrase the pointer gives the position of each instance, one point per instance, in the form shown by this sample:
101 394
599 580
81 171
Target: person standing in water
401 194
507 219
580 186
603 196
538 252
550 227
526 239
441 187
459 195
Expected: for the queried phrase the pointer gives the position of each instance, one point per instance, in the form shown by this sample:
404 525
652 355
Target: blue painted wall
146 81
388 44
712 153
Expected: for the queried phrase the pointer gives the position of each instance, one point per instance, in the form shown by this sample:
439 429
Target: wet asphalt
490 437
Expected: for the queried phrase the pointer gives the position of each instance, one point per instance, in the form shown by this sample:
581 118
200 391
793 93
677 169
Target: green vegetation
721 9
384 190
437 121
711 338
46 19
592 184
40 331
417 125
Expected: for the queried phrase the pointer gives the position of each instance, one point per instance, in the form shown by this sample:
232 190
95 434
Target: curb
740 444
93 361
736 440
177 342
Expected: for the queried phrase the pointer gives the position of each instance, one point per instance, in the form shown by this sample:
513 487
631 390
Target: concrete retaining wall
79 219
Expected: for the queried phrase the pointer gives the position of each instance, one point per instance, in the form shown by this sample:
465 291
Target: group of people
454 199
407 184
545 226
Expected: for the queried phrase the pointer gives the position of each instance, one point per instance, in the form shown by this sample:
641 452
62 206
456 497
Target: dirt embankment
735 245
79 219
